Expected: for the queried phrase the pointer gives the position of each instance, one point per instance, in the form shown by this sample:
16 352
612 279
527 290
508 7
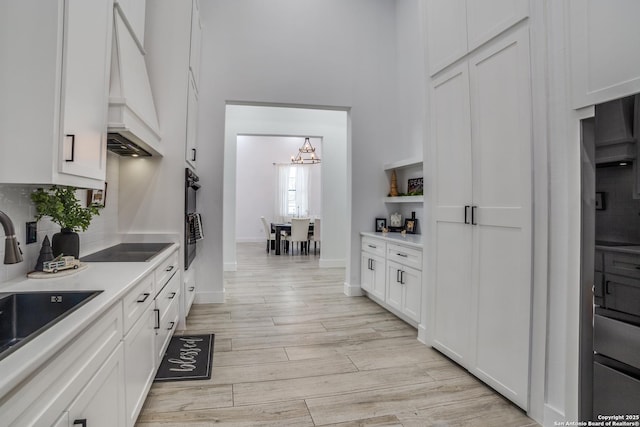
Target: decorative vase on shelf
393 191
66 242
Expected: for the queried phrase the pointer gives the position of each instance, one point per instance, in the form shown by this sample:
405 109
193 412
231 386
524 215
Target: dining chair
271 237
299 233
316 234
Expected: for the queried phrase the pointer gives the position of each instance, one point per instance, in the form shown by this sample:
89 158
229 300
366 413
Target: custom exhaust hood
132 121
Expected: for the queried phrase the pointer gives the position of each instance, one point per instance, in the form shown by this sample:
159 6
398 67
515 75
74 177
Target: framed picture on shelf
381 223
414 186
410 225
97 197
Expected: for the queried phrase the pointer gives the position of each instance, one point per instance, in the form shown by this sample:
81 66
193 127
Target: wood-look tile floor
292 350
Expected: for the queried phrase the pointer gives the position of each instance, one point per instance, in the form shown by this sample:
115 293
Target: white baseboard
552 417
216 297
352 291
230 266
422 334
332 263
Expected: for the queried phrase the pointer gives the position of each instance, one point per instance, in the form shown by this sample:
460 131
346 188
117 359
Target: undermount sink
25 315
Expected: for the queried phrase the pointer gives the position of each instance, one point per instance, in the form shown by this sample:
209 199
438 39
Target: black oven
192 219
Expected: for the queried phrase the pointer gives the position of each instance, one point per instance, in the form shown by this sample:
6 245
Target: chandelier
306 154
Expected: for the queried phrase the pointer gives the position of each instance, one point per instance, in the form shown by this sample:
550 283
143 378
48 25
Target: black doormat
187 357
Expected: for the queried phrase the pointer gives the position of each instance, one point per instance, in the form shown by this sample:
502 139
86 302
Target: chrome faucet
12 252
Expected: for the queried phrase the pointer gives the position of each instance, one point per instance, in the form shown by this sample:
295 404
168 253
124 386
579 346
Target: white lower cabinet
102 377
46 397
404 289
101 402
392 274
155 302
140 365
167 312
373 274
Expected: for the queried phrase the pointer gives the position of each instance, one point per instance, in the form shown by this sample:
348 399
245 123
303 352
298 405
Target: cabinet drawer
622 264
617 340
404 255
165 270
374 246
189 296
168 294
137 301
168 324
614 392
622 294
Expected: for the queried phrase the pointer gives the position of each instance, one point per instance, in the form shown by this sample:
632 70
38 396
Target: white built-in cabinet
102 377
457 27
191 153
605 64
391 274
373 267
481 129
54 85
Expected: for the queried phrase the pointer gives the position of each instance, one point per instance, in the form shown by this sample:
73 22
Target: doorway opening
252 124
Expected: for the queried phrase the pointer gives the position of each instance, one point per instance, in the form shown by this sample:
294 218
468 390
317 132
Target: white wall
311 53
15 201
331 126
256 181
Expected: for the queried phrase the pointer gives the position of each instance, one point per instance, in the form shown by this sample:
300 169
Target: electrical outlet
32 232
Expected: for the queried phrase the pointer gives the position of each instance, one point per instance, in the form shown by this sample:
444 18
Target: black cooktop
127 252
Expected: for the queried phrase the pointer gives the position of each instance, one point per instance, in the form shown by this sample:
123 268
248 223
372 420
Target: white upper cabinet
192 123
446 32
54 81
488 18
457 27
196 43
605 63
134 13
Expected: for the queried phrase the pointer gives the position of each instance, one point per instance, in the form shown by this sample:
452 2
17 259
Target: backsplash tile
15 201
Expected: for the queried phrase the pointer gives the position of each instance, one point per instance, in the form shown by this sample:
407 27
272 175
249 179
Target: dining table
278 228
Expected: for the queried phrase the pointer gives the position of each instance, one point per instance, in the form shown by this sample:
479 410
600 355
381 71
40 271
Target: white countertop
414 240
113 278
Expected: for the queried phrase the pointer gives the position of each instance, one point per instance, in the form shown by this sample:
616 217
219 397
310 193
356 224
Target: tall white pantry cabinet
480 121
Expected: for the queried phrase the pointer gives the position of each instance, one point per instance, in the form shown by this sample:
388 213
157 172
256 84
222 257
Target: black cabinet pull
466 214
169 268
172 295
82 422
372 246
171 325
193 154
157 311
402 255
143 298
398 279
192 288
473 215
73 147
402 277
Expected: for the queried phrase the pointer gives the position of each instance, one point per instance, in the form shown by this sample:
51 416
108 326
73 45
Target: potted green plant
61 205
